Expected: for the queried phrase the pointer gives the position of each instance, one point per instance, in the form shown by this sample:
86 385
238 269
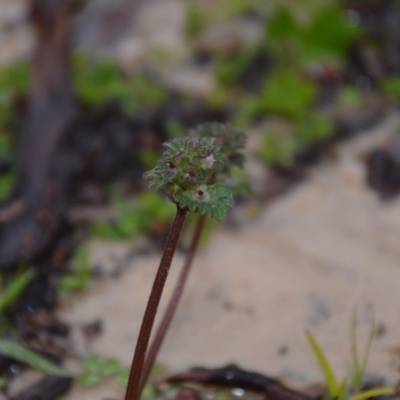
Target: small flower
208 160
191 166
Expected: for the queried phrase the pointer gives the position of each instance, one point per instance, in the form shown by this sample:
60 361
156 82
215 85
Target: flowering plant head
230 140
186 171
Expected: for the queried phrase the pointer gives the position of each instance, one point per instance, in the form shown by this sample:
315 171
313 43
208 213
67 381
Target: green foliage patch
325 37
80 276
144 214
99 80
350 387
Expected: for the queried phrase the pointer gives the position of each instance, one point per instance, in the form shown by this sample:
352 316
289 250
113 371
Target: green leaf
358 368
342 391
15 288
330 378
367 394
17 352
367 349
218 212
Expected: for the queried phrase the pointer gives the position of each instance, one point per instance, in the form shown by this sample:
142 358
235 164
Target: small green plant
357 366
96 368
7 182
148 213
200 15
324 36
81 275
278 148
231 142
280 143
350 387
13 80
349 97
390 85
189 172
313 128
286 93
229 67
97 81
195 21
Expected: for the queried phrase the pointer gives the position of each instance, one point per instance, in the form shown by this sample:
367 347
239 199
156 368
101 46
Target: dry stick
132 390
173 303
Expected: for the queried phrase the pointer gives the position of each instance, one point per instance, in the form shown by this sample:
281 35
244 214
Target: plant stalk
132 390
173 303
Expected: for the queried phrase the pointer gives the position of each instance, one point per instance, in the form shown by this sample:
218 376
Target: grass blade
356 370
17 352
382 391
15 288
330 378
368 348
342 391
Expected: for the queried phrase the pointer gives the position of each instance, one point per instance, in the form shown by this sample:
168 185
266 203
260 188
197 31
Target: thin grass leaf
355 368
15 288
17 352
382 391
368 348
342 392
330 378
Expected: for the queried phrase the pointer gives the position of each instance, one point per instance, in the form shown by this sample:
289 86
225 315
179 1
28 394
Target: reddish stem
173 303
132 390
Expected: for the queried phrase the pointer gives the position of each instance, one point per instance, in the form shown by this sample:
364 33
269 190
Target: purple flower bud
192 174
172 166
200 193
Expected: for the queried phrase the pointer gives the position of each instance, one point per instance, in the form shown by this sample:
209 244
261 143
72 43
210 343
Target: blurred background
89 91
